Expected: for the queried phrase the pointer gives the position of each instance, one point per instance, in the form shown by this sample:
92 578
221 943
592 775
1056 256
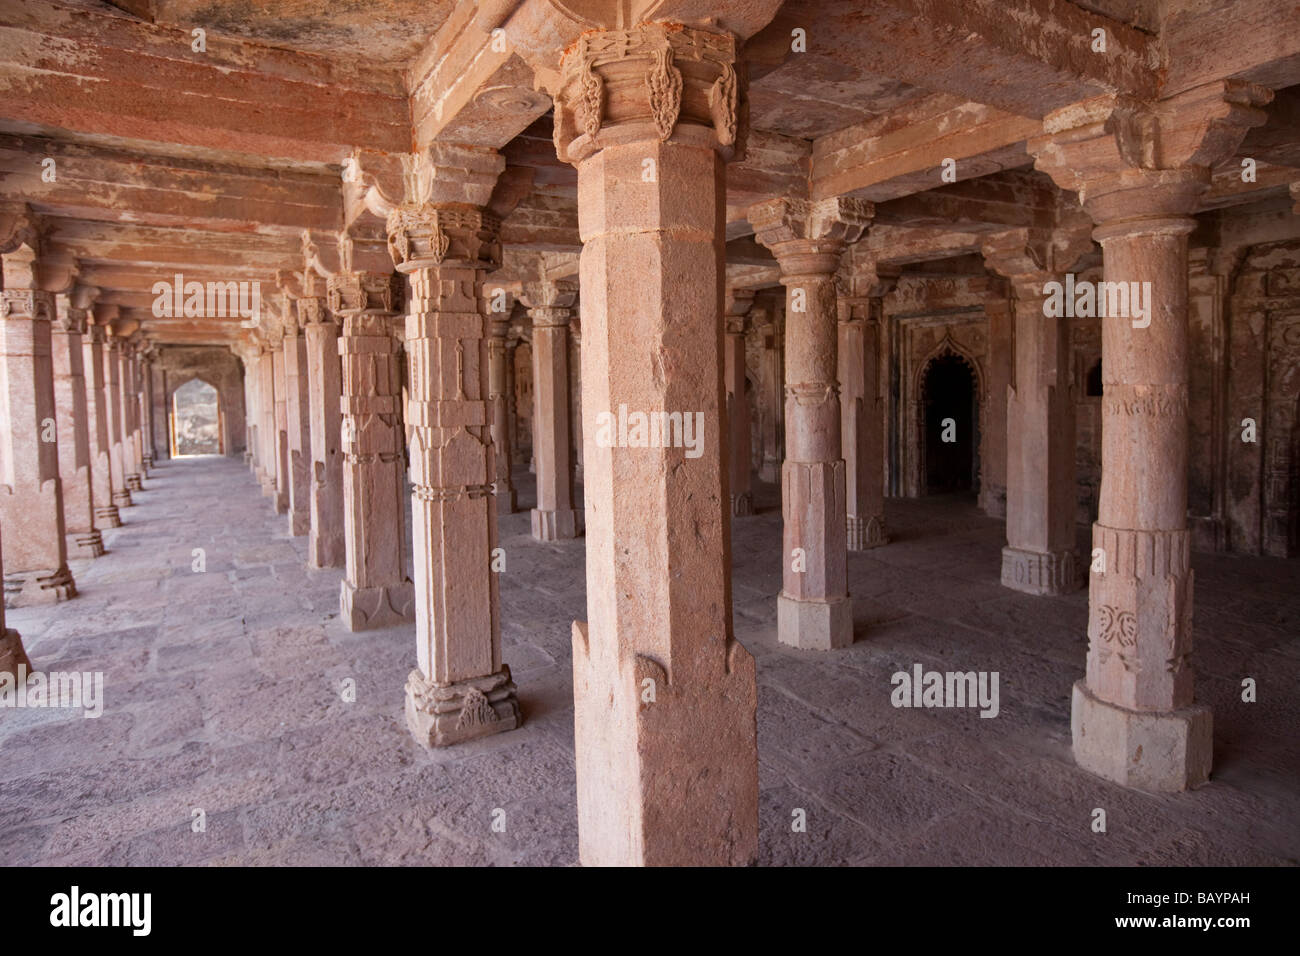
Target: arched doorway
950 398
196 420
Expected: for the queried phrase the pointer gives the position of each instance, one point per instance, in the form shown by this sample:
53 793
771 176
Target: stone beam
1027 57
114 77
1253 40
902 152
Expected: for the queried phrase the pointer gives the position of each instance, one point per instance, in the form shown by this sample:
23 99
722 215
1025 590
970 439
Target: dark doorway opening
951 421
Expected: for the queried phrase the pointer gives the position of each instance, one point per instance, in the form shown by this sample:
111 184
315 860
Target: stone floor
223 693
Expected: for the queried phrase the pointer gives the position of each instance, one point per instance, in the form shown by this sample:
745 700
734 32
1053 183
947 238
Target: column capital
736 309
314 310
1141 163
645 84
69 318
430 235
808 236
549 301
862 277
26 304
352 293
1029 257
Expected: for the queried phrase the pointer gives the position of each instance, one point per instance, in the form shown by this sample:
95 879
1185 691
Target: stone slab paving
224 693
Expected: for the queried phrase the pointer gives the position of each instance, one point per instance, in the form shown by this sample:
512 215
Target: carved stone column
461 689
664 696
266 423
129 407
1140 170
1039 557
772 405
738 302
512 406
814 610
83 538
499 381
550 305
148 451
100 447
297 424
326 544
279 383
376 591
113 394
31 507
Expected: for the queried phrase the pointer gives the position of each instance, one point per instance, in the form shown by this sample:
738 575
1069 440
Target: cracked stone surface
222 693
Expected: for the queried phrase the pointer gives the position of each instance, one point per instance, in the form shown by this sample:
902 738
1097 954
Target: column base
442 715
85 544
107 517
122 499
815 625
281 500
742 506
148 462
12 653
1034 572
133 483
555 525
30 588
364 609
866 533
1165 752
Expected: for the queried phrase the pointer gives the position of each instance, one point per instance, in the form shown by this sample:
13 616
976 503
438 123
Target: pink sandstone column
772 388
113 393
375 590
325 545
814 609
12 653
862 421
281 422
499 381
83 538
148 453
298 425
128 410
266 394
1134 719
1039 557
100 448
664 696
461 689
31 509
738 302
550 306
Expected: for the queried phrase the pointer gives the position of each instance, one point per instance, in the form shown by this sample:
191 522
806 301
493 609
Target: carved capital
68 317
808 237
427 236
313 310
352 293
653 82
1133 160
1030 257
30 304
546 296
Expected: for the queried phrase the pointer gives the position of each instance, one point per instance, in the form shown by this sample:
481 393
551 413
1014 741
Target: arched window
196 419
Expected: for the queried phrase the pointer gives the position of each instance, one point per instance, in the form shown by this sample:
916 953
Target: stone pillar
148 452
100 447
512 409
376 591
298 426
1134 720
31 509
814 610
993 441
670 778
499 381
862 422
83 538
266 423
738 302
326 545
129 411
1039 557
550 305
281 423
461 689
772 406
158 410
12 653
113 391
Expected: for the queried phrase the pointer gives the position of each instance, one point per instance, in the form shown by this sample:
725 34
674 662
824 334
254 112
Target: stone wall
219 368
